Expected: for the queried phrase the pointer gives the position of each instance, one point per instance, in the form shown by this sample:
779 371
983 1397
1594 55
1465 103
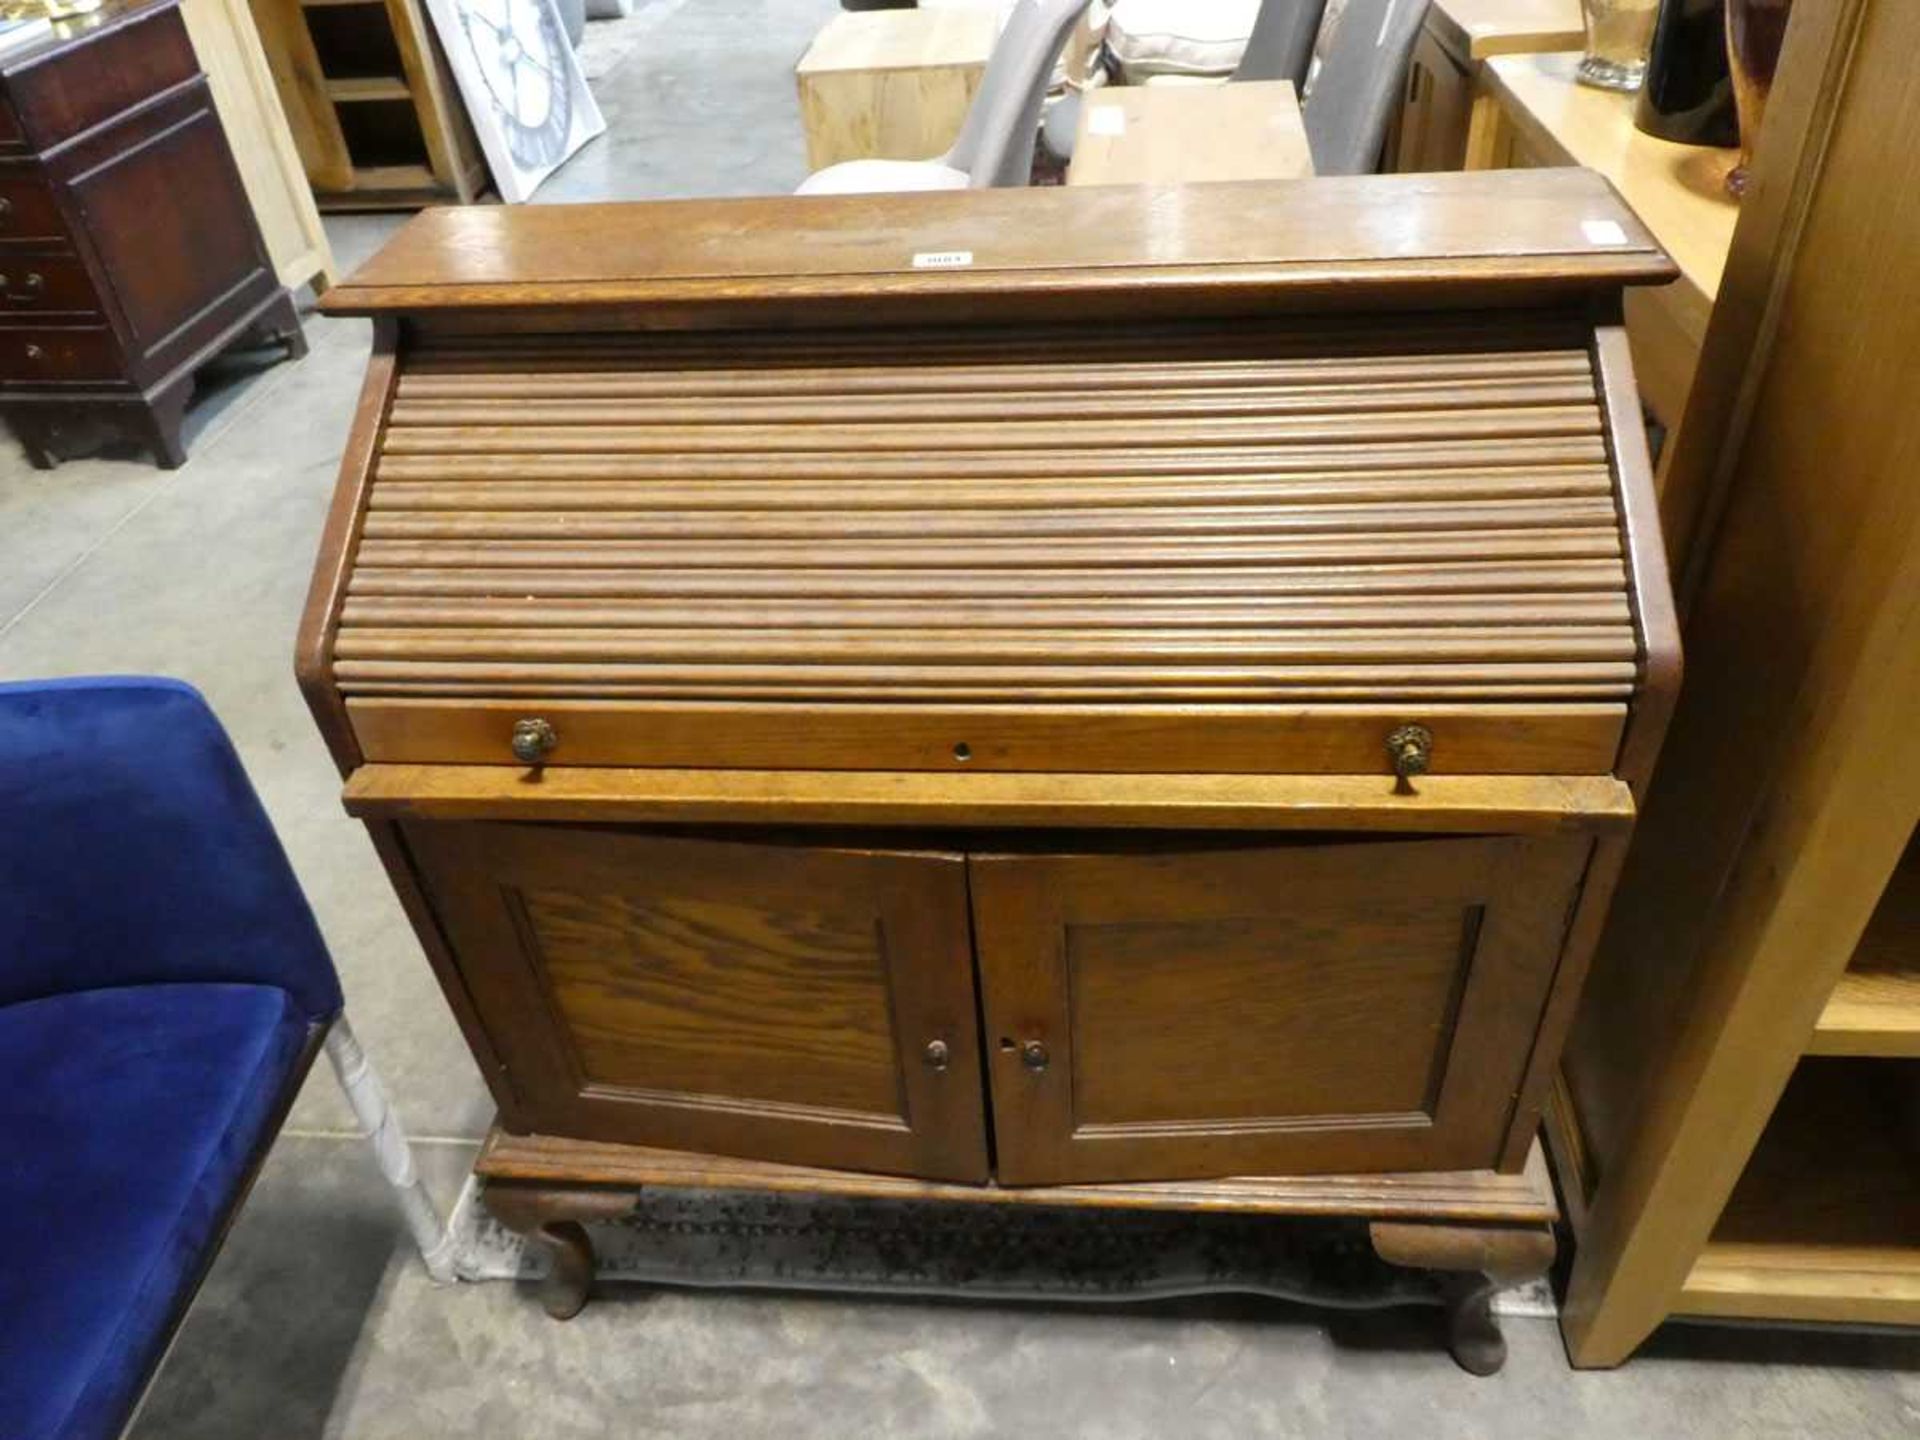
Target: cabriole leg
1476 1262
1473 1335
551 1220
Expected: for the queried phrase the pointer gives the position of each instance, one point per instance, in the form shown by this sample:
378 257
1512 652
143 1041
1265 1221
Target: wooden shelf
1823 1224
393 177
1875 1009
386 187
359 88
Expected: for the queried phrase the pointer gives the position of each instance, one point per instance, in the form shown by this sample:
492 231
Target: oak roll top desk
1049 696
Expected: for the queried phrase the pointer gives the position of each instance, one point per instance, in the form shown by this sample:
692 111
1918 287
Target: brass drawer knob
533 741
1034 1055
35 353
1410 752
937 1055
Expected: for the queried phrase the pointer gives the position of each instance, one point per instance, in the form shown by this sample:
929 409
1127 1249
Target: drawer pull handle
6 209
1410 751
1034 1055
35 353
533 741
938 1057
34 285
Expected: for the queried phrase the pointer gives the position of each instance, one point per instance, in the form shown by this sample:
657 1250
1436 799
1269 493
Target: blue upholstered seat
131 1118
162 985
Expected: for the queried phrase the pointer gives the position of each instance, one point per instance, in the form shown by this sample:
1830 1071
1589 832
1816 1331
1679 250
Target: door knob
937 1055
533 741
1410 750
1034 1055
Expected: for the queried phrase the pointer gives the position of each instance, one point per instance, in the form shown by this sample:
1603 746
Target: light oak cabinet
1737 1132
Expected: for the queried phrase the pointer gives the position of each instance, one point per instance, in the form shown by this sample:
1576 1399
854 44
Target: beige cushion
876 177
1179 37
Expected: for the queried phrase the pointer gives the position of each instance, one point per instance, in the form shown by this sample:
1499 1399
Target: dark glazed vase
1687 96
1755 29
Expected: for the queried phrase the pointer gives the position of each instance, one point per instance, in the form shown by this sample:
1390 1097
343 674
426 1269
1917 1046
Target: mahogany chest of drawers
1076 695
129 255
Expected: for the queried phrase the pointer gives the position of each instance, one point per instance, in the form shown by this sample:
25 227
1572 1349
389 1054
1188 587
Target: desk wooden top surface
1676 190
1178 134
1475 29
1463 236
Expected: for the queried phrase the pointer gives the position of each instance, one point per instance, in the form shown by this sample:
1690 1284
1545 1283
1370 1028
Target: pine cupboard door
1336 1007
811 1006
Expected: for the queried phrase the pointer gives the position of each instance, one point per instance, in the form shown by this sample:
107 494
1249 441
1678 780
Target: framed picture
529 103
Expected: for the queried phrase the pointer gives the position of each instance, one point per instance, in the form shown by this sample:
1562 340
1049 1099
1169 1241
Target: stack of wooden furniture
1738 1134
375 113
129 256
1159 699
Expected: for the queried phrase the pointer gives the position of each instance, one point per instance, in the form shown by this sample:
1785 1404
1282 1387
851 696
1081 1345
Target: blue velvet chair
163 991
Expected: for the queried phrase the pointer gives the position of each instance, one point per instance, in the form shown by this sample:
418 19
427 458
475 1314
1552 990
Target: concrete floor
316 1322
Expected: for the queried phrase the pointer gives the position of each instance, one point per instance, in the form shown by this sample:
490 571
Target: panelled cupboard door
811 1006
1338 1006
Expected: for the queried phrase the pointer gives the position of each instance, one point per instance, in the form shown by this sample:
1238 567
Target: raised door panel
172 230
1350 1006
806 1005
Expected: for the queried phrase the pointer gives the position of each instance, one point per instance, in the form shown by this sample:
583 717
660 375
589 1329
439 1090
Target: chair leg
378 1122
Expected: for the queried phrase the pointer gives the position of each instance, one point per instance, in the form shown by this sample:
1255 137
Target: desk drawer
32 285
28 209
48 356
1571 739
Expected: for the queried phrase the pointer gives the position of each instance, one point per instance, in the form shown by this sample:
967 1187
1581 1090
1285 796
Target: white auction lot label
943 259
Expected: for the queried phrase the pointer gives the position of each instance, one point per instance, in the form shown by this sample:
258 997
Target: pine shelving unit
1737 1126
374 111
1825 1222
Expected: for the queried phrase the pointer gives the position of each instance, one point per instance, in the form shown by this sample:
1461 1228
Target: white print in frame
529 103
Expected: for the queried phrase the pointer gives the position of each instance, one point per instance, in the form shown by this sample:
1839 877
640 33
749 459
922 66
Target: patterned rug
700 1238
